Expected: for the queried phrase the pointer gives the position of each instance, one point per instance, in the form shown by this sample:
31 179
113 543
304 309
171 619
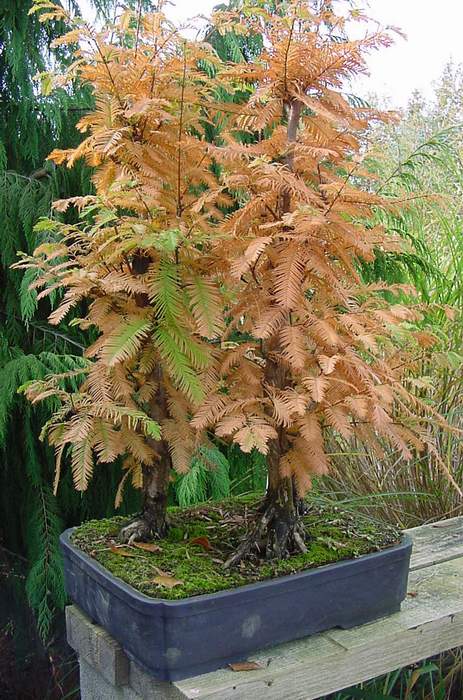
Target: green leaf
105 216
125 343
364 694
166 292
198 355
150 427
27 296
45 224
448 360
178 364
167 241
205 304
192 487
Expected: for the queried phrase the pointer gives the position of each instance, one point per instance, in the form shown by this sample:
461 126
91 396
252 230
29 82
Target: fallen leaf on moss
331 543
121 551
166 581
245 666
148 546
202 542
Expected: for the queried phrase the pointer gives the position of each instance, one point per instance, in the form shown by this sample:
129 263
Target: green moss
332 535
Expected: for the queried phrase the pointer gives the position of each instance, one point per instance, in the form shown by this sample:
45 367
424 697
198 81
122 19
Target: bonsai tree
319 350
140 266
223 279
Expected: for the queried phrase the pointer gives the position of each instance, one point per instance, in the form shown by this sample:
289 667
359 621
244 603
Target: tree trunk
279 531
285 532
155 492
152 521
281 502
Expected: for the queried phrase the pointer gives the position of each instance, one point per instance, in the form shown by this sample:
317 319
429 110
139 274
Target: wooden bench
431 621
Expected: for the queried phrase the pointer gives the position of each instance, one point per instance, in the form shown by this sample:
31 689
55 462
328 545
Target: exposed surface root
276 535
140 530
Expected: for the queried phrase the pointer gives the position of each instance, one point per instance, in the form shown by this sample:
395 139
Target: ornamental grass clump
223 277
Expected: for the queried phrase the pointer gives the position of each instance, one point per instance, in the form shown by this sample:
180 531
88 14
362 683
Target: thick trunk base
143 529
151 523
277 534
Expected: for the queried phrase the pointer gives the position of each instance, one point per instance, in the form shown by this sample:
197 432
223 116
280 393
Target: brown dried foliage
161 267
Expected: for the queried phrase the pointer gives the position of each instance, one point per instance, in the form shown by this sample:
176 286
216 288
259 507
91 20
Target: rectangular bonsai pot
177 639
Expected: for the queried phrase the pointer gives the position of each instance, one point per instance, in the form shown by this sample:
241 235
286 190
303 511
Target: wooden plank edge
337 670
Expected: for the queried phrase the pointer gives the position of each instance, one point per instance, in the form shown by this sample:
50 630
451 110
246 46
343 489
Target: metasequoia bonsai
140 266
223 279
320 349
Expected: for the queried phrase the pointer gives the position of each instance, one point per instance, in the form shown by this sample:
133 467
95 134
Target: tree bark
155 493
152 522
280 500
285 533
280 491
279 530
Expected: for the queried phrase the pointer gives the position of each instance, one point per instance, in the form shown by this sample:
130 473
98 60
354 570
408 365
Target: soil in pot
201 538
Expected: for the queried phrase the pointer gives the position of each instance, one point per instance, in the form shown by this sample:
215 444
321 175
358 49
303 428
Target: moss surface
218 528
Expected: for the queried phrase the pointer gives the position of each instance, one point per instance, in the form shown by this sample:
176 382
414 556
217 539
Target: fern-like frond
82 461
166 293
289 275
206 307
294 346
255 435
124 343
178 364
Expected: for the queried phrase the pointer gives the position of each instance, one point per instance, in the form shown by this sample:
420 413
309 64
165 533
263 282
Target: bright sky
433 32
433 38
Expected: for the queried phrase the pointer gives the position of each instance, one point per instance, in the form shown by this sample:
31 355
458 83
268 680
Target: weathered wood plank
305 681
434 593
436 542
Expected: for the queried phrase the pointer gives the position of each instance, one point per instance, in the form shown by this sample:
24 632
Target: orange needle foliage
306 346
139 264
323 349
